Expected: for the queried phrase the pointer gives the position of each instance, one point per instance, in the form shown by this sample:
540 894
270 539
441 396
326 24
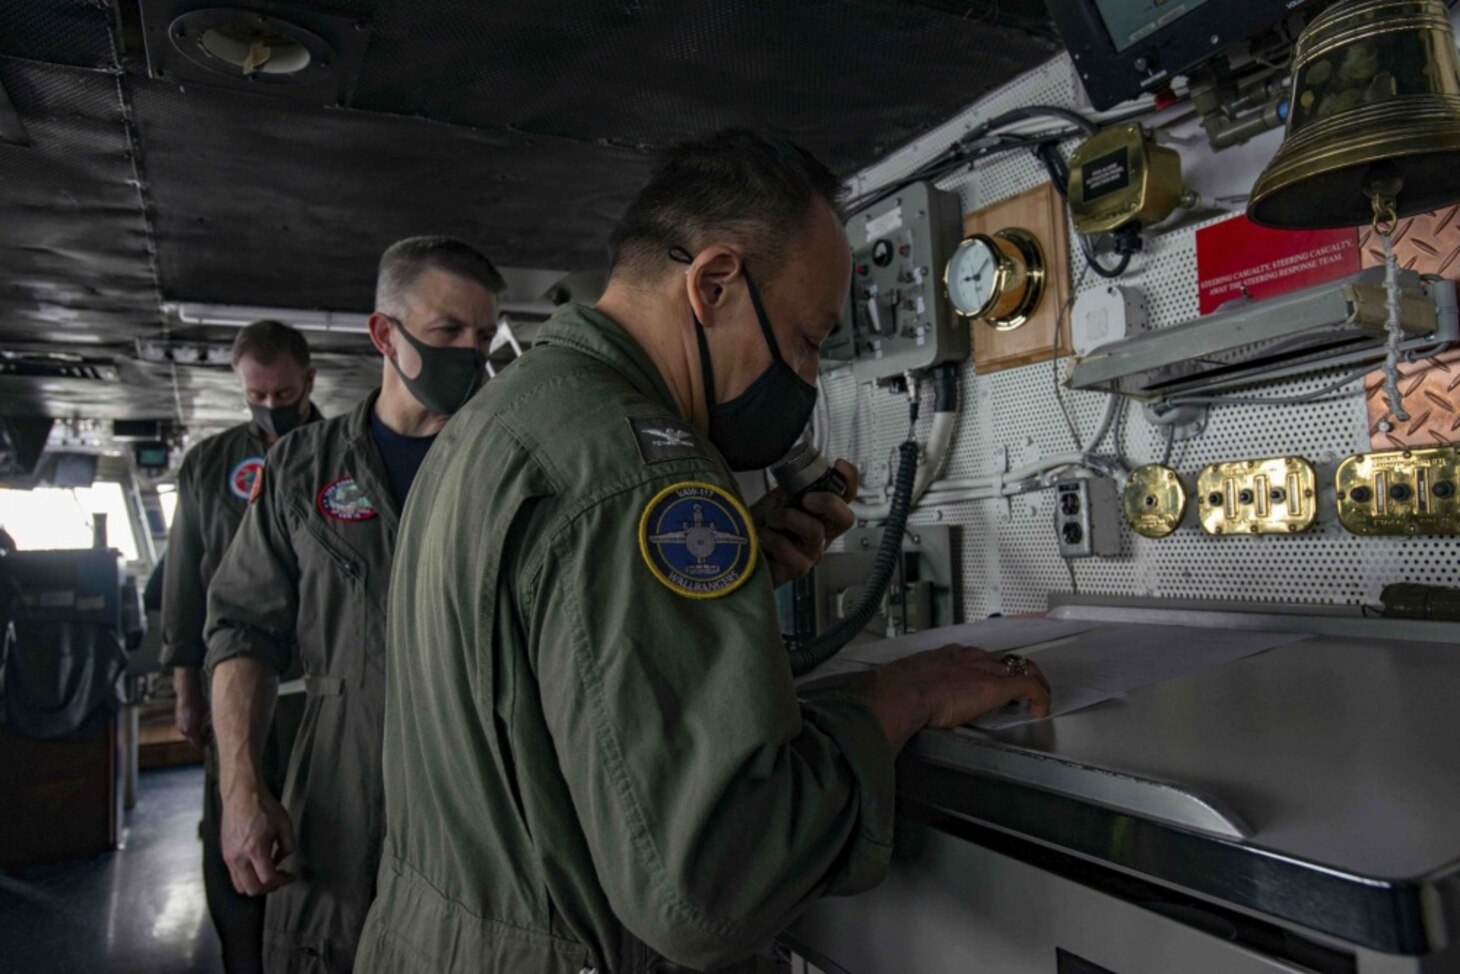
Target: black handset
805 471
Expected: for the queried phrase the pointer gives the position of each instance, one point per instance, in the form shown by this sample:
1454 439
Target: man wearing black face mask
214 482
595 757
306 582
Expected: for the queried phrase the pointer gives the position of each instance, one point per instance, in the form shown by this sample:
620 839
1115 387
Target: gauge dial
882 252
972 276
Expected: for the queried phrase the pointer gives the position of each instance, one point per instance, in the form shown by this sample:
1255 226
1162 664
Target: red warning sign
1237 258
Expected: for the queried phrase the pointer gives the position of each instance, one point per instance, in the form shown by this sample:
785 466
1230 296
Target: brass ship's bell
1375 111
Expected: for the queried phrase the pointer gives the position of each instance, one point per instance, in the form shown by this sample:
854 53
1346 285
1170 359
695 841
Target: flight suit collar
364 462
594 333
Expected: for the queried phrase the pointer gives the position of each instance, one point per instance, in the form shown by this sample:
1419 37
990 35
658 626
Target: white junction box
1107 314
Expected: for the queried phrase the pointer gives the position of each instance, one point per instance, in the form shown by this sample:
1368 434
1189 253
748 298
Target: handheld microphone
805 471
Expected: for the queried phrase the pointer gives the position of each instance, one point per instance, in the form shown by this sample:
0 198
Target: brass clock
997 279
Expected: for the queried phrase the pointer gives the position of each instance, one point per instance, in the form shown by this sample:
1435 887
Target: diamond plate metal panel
1431 390
1428 244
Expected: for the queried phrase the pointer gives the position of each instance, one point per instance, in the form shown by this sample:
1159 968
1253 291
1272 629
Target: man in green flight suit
214 482
307 579
595 759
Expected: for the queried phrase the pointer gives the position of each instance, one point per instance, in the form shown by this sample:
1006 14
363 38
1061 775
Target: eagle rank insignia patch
665 439
697 539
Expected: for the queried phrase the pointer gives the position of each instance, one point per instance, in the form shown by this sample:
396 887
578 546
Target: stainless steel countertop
1340 753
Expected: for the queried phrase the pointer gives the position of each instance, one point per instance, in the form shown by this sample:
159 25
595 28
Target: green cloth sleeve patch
662 439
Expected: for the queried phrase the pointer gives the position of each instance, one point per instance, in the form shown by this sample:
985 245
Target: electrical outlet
1086 513
1400 492
1154 500
1274 496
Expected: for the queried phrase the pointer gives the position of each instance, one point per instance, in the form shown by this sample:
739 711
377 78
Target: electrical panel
1010 418
1273 496
898 318
1400 492
1086 516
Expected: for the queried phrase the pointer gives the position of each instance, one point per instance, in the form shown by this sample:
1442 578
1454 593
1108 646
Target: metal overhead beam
1306 331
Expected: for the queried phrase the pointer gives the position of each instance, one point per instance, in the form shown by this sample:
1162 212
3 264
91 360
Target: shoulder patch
698 541
244 478
343 500
665 439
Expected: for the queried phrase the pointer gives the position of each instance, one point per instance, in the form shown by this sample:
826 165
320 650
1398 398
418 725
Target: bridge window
62 517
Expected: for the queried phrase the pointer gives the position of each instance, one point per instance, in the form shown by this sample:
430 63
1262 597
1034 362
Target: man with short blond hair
306 584
214 482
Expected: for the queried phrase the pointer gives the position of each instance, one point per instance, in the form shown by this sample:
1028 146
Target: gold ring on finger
1016 665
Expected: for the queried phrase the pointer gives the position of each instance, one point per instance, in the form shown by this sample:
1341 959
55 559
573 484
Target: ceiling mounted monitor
1126 48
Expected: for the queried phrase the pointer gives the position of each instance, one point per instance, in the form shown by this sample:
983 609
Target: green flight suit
586 769
306 579
213 486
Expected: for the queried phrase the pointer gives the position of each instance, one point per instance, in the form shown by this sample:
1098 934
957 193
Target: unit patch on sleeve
697 539
343 500
244 477
665 439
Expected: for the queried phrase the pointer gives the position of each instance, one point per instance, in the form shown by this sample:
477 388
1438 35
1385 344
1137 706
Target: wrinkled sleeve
184 596
253 601
716 805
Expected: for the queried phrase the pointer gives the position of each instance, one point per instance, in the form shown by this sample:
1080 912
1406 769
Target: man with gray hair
305 582
595 758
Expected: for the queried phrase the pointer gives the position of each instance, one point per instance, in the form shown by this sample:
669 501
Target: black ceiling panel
850 79
204 397
75 265
522 125
72 32
263 202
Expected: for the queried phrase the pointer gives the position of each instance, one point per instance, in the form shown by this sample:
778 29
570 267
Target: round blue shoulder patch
697 539
243 479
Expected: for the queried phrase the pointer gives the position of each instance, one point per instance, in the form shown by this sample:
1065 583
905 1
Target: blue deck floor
138 909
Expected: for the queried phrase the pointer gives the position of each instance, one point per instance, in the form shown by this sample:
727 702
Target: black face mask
449 376
759 426
277 420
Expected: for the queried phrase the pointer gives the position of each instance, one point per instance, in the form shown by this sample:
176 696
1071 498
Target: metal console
1293 811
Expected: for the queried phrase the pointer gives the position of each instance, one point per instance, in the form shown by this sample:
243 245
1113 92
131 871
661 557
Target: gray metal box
898 318
1086 512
